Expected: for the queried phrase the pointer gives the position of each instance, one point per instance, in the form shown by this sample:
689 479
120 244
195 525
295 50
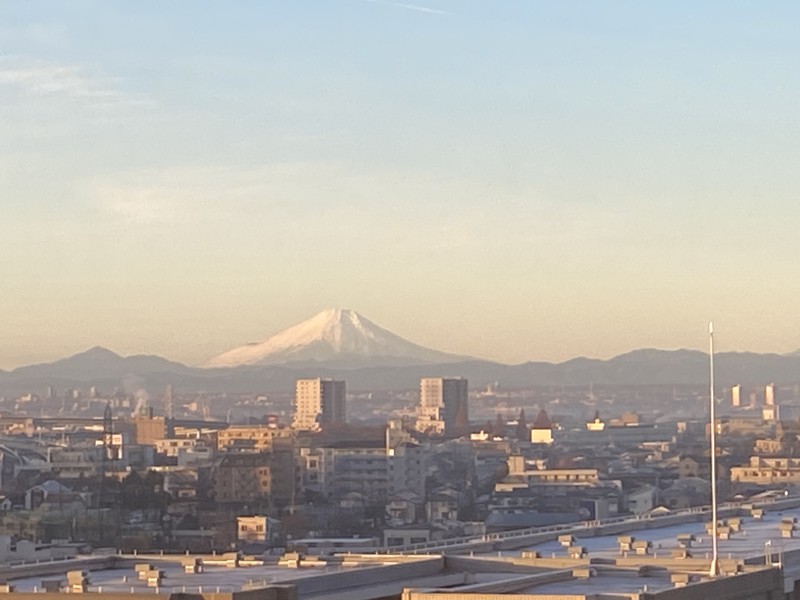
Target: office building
443 405
319 402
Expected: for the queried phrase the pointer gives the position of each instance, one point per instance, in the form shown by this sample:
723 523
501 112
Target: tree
144 492
499 426
523 434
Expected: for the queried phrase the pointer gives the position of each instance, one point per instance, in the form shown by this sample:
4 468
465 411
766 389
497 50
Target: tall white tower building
736 395
443 404
770 395
318 402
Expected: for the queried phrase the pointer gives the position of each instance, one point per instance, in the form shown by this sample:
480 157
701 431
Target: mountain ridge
97 362
638 367
333 334
342 343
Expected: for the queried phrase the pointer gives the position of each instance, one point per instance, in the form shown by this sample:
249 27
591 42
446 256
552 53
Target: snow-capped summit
333 335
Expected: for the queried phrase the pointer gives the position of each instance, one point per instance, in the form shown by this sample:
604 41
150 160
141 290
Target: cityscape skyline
536 182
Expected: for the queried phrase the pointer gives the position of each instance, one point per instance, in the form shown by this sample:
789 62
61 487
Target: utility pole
714 570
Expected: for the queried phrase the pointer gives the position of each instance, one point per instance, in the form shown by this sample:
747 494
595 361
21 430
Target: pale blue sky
511 180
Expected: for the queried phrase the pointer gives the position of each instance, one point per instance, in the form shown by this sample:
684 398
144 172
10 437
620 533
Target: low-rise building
643 499
74 463
768 447
243 477
258 438
256 529
783 471
173 447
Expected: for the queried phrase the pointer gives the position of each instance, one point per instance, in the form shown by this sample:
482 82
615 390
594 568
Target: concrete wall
58 567
511 564
422 595
277 592
664 561
514 584
369 576
105 596
765 584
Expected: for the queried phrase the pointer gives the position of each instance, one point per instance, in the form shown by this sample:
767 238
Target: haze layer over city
387 300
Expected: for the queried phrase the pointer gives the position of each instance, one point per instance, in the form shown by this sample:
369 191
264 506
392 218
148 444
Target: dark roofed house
542 430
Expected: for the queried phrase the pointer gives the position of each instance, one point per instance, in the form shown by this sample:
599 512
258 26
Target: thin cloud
140 207
285 194
174 195
44 78
415 7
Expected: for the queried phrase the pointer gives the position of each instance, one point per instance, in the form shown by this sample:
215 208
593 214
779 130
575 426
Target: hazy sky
511 180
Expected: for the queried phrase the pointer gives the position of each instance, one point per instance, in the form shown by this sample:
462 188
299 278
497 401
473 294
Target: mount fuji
333 336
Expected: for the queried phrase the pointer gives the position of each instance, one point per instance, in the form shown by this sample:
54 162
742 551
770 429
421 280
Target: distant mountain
338 336
107 370
97 363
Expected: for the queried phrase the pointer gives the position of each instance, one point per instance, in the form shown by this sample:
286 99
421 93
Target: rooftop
756 535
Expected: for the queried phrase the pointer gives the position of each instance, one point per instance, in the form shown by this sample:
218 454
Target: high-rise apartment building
736 395
770 395
443 405
318 402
